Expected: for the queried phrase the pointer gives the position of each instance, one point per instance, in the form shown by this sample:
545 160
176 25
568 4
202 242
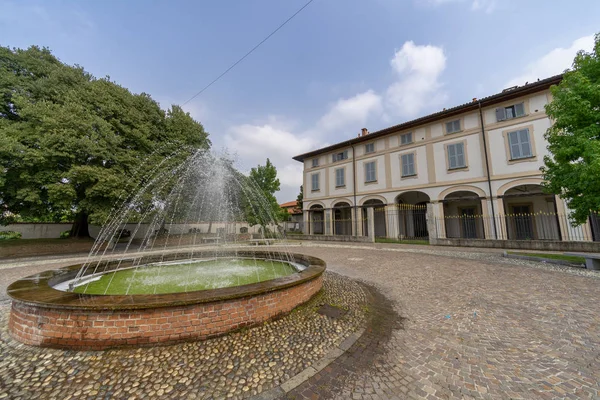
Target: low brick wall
331 238
548 245
98 330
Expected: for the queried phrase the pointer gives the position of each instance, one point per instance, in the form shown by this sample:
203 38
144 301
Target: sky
337 67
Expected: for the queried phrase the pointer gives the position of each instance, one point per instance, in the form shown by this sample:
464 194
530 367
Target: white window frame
340 179
453 125
517 110
407 160
403 141
314 187
370 148
367 170
519 144
342 155
456 155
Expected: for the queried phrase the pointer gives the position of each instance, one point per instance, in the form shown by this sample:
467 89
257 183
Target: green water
187 277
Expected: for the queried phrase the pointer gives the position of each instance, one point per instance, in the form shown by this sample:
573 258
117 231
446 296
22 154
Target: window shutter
525 144
460 155
500 114
452 156
411 164
519 109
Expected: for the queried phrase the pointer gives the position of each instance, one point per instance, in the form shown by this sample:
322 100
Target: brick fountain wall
102 329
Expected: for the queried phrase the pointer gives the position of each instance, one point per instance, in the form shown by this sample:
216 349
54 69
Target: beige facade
452 155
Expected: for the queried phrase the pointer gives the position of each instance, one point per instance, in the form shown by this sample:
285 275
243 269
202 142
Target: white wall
498 148
437 130
360 174
308 193
474 160
421 168
471 121
37 231
348 188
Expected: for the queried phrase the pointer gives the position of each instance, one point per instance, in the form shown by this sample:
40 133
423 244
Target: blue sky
339 66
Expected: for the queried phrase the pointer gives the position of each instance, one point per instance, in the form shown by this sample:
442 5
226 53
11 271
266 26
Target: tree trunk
80 228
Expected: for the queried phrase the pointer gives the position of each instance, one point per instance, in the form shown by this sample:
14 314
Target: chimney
474 99
365 132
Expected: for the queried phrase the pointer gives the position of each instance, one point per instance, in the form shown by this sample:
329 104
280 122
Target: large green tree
261 206
72 144
573 168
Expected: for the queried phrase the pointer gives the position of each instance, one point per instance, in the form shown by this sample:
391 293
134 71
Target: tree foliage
262 207
72 144
573 169
300 198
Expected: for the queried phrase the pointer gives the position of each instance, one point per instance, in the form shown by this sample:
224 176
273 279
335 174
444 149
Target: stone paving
443 324
236 366
477 326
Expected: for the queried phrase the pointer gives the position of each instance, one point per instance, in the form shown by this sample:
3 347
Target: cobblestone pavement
237 365
477 326
472 325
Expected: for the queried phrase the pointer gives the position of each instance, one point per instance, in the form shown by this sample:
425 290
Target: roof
293 205
506 94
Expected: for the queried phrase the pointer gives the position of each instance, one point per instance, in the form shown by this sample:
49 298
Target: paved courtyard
441 323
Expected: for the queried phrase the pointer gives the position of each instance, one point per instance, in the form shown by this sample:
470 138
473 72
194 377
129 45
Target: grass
406 241
571 259
188 277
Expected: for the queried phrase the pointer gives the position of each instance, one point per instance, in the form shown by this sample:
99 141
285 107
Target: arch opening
412 215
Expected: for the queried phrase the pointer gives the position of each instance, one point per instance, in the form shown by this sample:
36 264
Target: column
371 222
391 221
431 217
328 223
307 227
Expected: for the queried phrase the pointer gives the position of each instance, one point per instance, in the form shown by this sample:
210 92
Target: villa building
475 167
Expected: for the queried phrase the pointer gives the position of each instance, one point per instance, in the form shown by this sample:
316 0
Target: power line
248 53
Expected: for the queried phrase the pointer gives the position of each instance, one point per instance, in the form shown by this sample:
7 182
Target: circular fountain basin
43 315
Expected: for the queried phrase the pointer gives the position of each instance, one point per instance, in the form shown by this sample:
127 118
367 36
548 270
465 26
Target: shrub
5 235
65 234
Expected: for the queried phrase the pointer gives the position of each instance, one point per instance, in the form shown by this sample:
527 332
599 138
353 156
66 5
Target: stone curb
311 371
542 259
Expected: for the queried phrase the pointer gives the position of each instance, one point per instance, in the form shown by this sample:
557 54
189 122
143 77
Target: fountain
171 263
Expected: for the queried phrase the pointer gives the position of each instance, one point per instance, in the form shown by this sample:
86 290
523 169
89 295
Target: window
370 148
370 172
315 181
456 156
340 178
339 156
315 162
406 138
510 112
519 144
453 126
408 165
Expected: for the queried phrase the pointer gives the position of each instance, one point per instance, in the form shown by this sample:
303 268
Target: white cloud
254 143
418 87
553 62
352 111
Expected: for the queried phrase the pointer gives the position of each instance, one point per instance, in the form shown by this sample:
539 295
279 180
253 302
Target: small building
471 171
294 221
